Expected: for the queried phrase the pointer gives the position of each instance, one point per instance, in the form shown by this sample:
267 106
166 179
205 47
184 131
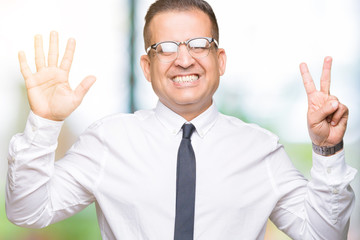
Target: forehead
179 25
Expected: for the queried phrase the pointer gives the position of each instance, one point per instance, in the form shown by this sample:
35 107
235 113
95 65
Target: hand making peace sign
48 89
326 117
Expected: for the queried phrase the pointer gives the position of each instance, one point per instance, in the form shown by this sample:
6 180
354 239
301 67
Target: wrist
328 150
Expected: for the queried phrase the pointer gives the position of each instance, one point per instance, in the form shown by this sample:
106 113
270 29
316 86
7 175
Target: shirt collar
173 121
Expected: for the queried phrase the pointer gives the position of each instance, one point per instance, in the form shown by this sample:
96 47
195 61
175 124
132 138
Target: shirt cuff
42 131
333 169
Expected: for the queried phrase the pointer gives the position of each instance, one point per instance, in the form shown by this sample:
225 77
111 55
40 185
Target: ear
221 55
145 66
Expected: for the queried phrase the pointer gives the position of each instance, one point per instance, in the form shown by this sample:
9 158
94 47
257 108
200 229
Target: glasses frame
209 39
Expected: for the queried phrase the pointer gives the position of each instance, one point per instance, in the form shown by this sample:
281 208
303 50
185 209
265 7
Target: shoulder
118 127
122 119
251 132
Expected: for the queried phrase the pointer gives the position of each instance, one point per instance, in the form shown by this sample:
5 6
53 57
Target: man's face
191 97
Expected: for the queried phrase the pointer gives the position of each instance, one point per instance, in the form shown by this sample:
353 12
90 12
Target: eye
198 45
166 48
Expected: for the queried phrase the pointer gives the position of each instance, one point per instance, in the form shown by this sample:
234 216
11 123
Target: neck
188 111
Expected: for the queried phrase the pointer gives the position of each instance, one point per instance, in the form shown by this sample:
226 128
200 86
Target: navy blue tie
185 187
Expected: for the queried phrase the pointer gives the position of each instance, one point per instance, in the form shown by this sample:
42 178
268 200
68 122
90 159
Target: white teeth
182 79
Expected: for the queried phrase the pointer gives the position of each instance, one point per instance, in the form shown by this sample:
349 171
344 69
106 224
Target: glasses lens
167 51
199 47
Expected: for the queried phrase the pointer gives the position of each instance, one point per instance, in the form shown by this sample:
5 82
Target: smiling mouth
185 79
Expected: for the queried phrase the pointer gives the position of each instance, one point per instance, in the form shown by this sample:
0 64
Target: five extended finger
53 54
24 67
307 79
326 76
39 53
68 55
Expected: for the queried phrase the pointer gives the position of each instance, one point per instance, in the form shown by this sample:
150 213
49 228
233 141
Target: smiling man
181 171
186 79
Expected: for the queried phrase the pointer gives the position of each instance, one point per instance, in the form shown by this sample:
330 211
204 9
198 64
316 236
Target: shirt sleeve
39 191
315 209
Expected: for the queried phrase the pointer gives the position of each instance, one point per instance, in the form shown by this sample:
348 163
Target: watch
327 151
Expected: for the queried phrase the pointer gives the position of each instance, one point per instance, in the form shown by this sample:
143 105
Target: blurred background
265 42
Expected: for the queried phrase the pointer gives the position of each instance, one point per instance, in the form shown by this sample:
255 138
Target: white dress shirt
126 164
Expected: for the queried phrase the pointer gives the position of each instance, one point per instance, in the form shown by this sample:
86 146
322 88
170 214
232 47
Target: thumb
326 110
84 87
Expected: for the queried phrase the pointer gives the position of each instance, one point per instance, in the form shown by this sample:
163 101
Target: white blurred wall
100 29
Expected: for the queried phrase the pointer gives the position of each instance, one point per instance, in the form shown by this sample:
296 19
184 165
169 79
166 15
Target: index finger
326 76
307 79
68 55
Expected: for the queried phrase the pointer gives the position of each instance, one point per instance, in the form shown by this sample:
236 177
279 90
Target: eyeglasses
168 51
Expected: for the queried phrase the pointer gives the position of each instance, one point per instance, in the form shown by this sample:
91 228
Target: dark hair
178 5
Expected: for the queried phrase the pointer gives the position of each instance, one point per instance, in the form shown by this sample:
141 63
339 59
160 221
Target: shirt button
335 191
11 159
328 170
34 129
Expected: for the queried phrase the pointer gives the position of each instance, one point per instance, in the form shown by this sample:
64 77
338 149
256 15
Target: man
131 165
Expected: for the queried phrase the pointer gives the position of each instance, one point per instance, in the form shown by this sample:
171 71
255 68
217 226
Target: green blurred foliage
82 226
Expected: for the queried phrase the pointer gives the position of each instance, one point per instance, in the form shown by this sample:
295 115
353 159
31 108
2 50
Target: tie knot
188 130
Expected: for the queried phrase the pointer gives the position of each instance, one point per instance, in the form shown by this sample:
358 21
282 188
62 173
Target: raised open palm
49 93
327 117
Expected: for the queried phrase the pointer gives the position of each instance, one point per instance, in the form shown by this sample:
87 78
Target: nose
184 58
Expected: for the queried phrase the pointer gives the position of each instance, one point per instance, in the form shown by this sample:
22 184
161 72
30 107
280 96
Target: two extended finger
324 80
